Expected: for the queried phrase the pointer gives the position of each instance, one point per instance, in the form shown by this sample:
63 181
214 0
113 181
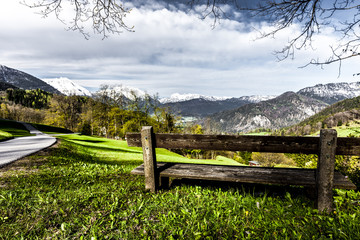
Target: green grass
79 194
5 135
14 128
344 131
114 150
353 129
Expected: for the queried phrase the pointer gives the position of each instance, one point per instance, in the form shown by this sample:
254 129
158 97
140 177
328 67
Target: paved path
17 148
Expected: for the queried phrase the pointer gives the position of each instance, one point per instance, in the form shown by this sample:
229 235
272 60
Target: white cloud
170 51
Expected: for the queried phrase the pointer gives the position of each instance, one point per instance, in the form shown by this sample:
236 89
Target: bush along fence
323 179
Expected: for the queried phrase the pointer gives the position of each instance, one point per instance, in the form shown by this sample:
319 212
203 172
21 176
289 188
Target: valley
215 114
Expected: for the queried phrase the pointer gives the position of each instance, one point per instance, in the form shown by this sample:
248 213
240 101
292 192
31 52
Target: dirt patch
26 165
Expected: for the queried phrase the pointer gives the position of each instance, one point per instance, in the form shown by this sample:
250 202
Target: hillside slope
336 114
23 80
287 109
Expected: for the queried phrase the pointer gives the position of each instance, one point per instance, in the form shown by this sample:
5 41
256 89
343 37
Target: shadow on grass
257 190
68 154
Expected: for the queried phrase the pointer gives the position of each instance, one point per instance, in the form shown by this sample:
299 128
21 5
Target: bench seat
244 174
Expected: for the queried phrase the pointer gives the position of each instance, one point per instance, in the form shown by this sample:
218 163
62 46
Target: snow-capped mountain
12 77
196 105
177 97
285 110
332 92
126 91
257 98
67 87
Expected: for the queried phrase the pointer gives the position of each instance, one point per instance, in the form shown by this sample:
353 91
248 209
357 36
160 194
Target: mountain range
12 78
18 79
202 106
285 110
225 114
332 92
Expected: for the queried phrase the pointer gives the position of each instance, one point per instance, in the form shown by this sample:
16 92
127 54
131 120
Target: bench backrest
275 144
326 146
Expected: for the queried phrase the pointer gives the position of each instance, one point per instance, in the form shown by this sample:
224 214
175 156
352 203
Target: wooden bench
323 179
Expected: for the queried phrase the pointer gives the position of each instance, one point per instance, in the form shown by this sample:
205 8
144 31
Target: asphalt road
17 148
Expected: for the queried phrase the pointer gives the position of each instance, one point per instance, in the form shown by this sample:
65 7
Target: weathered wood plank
276 144
348 146
149 156
232 142
261 175
325 169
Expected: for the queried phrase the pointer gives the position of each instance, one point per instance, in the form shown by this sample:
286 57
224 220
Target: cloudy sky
171 51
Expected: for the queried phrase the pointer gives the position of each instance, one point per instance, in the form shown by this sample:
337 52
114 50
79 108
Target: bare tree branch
312 16
105 16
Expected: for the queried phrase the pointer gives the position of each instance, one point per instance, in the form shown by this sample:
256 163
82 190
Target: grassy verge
5 135
76 191
114 150
14 128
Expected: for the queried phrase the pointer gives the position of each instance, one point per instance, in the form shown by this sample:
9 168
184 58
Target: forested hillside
338 114
107 114
284 110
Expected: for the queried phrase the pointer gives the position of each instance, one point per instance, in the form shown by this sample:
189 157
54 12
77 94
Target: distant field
114 150
344 131
353 129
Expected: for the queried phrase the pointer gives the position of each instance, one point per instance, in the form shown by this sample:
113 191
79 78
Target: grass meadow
82 189
10 129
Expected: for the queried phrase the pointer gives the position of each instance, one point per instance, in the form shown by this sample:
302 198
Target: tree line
108 113
111 114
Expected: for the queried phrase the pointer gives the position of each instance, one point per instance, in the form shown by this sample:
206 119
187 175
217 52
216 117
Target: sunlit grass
114 150
76 194
5 135
353 129
14 128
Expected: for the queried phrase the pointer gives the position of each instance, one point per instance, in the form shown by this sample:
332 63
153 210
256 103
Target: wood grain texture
149 156
325 169
275 144
261 175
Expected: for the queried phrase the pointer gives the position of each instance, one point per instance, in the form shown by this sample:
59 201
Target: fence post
148 145
325 169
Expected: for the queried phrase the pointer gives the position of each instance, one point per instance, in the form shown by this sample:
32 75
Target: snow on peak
257 98
348 90
177 97
126 91
67 87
